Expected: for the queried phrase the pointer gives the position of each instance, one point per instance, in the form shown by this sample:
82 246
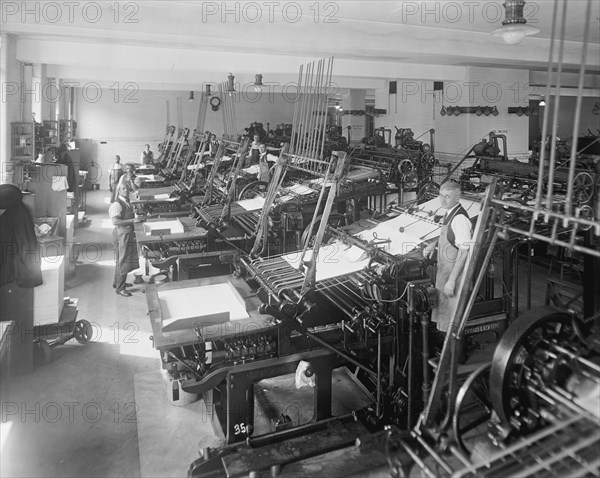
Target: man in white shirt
126 258
115 171
453 248
147 156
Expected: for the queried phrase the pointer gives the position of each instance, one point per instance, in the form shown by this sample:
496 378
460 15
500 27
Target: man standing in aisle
254 152
126 257
264 171
129 178
453 249
147 156
114 174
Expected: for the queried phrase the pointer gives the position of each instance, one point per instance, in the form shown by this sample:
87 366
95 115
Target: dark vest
127 212
459 211
148 157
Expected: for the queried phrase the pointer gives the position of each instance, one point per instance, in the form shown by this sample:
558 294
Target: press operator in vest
452 251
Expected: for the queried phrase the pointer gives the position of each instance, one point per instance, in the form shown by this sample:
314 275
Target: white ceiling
179 44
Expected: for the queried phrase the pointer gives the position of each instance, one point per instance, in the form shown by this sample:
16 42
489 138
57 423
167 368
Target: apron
148 157
446 256
263 171
124 238
254 155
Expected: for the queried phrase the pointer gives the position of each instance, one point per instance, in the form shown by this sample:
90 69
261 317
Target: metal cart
48 336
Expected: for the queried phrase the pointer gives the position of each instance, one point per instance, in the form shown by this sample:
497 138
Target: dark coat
20 257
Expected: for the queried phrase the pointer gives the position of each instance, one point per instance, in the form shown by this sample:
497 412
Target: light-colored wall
418 107
10 103
123 121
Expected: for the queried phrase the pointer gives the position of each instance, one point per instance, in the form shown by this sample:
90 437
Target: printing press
411 162
359 299
329 314
370 311
290 200
194 185
374 318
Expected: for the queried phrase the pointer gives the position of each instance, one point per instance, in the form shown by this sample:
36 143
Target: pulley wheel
584 187
410 180
428 161
473 405
406 166
253 189
513 360
429 190
586 212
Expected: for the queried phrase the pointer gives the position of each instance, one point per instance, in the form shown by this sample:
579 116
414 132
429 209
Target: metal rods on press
310 112
228 111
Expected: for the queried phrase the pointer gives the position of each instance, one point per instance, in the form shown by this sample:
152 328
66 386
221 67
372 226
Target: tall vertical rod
323 98
301 105
168 115
223 113
311 111
314 110
179 112
330 69
306 106
296 110
552 164
538 198
327 82
573 157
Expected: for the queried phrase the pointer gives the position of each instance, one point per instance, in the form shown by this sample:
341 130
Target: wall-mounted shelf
476 110
26 141
67 130
51 134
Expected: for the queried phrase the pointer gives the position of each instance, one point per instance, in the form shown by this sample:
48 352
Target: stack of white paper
252 204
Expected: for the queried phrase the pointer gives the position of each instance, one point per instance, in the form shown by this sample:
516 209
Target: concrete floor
77 415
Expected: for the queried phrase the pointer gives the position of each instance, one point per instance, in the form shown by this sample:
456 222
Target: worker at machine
253 152
61 156
123 218
452 251
129 178
115 171
264 170
213 145
147 156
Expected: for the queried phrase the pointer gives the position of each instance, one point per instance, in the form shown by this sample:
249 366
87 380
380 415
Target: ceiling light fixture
542 103
191 97
207 92
514 27
258 84
230 86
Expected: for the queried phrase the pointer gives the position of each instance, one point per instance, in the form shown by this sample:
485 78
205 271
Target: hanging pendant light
514 27
230 85
258 84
